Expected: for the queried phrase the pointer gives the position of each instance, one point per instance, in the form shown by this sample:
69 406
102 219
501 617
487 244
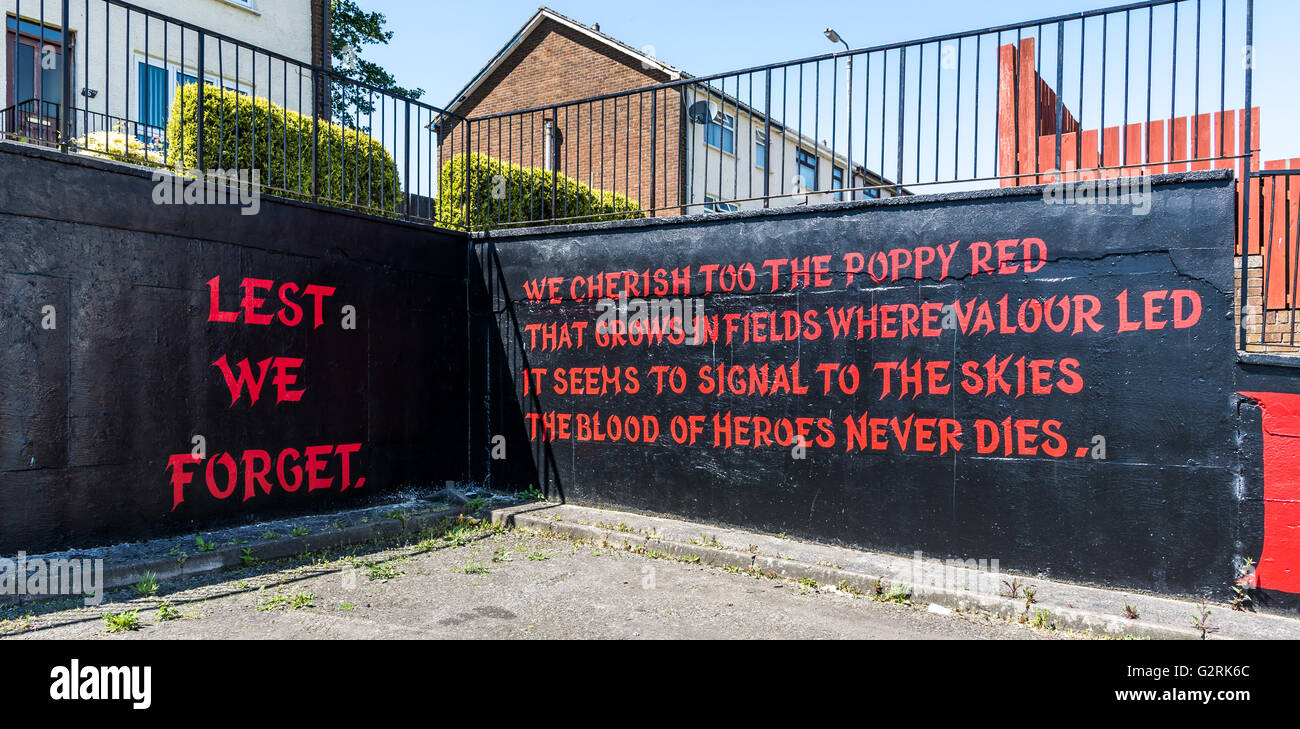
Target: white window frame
173 84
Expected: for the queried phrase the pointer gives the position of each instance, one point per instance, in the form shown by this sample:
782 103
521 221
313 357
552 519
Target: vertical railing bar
1146 131
920 106
18 27
1128 66
1249 169
108 85
785 112
1038 108
201 150
835 126
221 88
736 140
317 100
406 147
126 73
975 140
238 105
1292 248
767 134
1196 105
722 159
848 122
85 42
902 116
1173 87
1015 114
1080 121
640 153
997 96
956 115
1101 133
1060 89
817 135
180 91
1223 76
704 188
65 120
938 103
1266 246
370 149
690 184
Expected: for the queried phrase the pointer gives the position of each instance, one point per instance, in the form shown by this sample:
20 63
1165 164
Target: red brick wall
605 144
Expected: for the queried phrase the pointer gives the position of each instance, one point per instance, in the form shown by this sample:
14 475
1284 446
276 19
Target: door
34 89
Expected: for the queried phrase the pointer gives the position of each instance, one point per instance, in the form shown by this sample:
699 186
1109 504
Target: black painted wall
1165 510
92 410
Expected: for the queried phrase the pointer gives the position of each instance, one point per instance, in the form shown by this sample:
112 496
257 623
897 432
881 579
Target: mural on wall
201 367
290 468
989 377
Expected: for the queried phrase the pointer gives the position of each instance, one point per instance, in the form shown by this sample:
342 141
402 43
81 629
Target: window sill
246 7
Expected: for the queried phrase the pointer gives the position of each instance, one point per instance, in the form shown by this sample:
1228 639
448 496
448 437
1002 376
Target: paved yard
476 582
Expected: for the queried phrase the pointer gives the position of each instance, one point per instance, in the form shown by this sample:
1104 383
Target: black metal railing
1147 87
31 120
1150 86
121 81
1269 278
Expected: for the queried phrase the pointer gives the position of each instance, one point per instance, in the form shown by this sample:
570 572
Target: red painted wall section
1279 563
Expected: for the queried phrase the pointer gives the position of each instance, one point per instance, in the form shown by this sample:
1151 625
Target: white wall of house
734 169
110 50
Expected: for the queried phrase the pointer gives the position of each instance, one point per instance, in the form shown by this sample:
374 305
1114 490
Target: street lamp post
834 37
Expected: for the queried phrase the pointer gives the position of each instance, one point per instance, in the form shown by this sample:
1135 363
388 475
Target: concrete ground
472 581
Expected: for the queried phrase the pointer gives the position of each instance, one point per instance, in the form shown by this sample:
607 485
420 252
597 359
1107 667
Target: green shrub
355 170
503 193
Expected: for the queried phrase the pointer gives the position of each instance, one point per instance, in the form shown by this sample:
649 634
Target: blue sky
439 45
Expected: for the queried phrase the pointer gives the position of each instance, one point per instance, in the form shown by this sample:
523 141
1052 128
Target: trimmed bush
503 194
355 170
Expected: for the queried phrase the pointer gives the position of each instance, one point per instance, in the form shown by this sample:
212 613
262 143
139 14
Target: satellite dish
701 112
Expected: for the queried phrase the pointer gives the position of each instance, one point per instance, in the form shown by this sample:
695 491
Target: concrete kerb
650 535
232 557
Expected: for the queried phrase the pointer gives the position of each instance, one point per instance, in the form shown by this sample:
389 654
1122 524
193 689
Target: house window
721 133
873 192
806 169
837 182
760 150
157 88
154 95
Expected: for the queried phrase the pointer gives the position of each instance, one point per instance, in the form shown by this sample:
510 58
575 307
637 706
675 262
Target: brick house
549 99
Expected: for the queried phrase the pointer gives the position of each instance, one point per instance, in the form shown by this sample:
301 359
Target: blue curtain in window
153 95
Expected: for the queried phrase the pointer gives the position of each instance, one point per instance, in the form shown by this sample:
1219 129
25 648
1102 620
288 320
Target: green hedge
527 195
355 170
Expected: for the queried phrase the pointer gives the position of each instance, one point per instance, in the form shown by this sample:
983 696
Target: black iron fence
1269 277
113 79
1148 87
1143 88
